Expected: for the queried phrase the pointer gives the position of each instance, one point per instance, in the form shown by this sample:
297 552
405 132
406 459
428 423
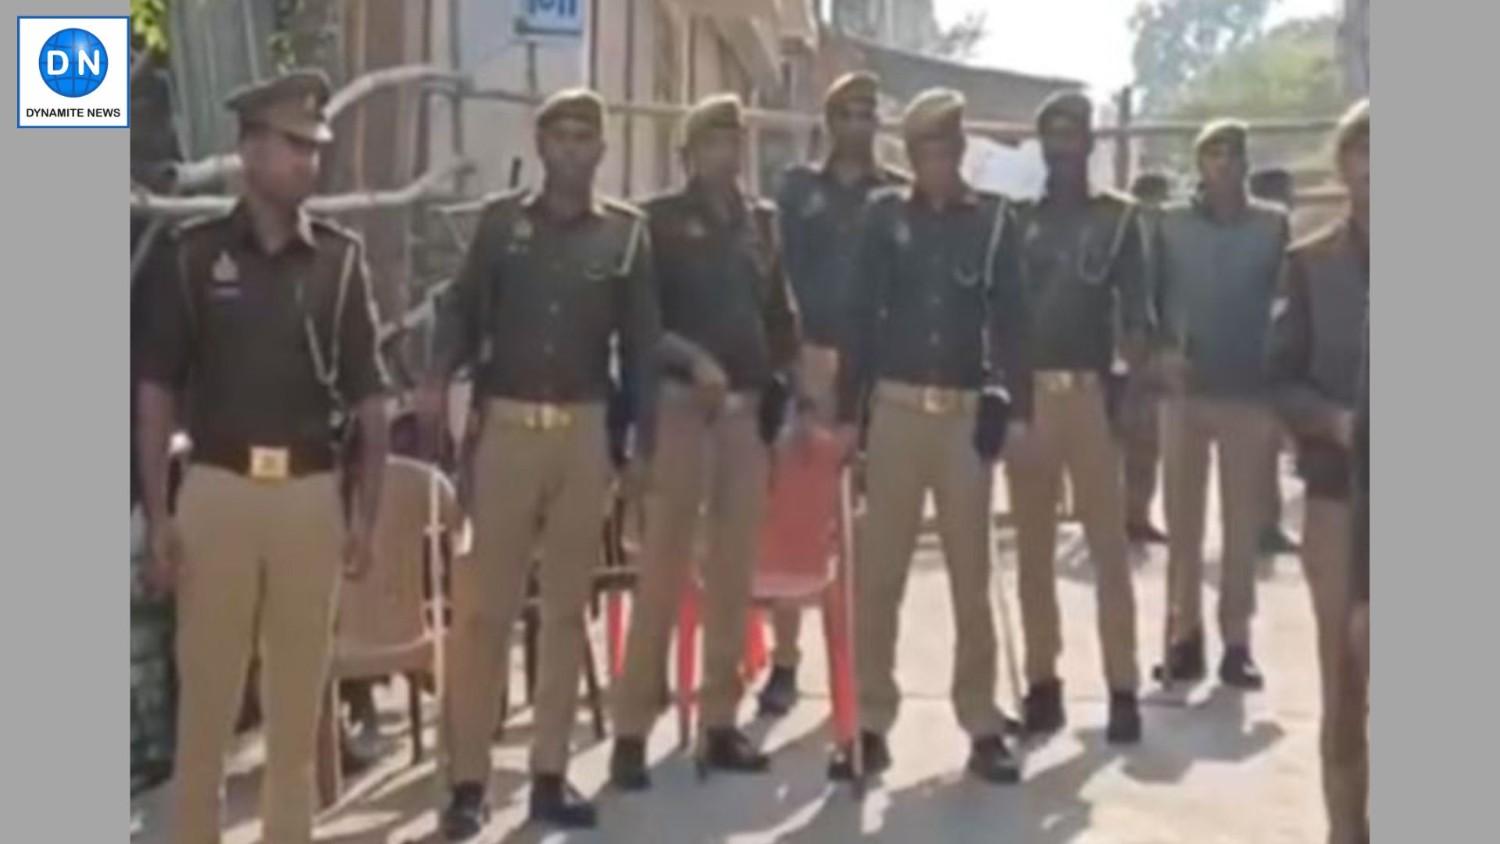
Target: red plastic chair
801 561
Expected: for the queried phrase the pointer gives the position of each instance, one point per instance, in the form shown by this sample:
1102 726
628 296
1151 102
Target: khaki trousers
530 484
818 369
719 465
1071 432
1140 430
258 557
1345 754
1241 432
910 453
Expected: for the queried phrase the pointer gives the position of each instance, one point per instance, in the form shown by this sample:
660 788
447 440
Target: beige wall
495 133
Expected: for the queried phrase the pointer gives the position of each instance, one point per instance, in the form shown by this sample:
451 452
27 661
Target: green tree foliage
1291 71
148 22
1176 40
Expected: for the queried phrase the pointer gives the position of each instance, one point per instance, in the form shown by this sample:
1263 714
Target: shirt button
934 339
553 308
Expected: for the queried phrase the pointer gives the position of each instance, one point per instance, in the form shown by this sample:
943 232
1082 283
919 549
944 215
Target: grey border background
64 614
1435 710
1436 319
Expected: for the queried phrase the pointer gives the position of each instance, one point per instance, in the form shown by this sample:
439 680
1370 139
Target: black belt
265 462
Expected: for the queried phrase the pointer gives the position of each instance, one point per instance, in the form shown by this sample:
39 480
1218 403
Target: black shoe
727 749
990 760
467 812
877 758
1186 661
1124 719
627 765
1274 541
780 692
555 802
1044 708
1145 533
1238 670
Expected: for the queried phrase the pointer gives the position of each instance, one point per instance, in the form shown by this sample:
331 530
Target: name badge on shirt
815 204
226 277
902 234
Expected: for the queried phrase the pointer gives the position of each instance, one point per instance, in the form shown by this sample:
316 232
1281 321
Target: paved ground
1226 767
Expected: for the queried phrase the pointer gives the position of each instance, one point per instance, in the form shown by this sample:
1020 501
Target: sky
1050 37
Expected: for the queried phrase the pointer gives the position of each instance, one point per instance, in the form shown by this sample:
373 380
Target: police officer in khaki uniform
1316 355
731 340
820 208
1140 426
260 327
1083 265
935 364
1274 184
1217 259
552 278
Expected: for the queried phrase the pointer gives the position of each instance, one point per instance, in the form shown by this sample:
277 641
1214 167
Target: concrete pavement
1226 767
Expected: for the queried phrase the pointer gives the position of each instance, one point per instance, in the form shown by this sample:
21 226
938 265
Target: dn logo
73 63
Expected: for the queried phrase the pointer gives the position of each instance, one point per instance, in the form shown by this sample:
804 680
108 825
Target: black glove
990 424
1115 384
774 403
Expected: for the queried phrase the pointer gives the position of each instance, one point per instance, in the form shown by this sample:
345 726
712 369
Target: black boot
555 802
1186 660
727 749
1238 670
1145 533
467 812
780 692
1274 542
1044 708
877 758
990 760
1124 719
627 765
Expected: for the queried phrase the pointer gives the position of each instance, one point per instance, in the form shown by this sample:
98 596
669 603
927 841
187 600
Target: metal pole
1126 102
627 148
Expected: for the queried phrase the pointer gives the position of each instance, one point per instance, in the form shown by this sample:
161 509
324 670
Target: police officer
260 326
1218 257
1316 351
935 363
820 207
731 339
1083 266
552 278
1274 184
1140 425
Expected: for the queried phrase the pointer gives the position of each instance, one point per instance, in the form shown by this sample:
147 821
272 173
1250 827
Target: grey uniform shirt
1215 284
820 219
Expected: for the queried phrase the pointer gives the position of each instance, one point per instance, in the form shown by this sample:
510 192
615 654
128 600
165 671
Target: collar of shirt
708 210
243 229
967 198
1091 192
1199 203
532 205
872 176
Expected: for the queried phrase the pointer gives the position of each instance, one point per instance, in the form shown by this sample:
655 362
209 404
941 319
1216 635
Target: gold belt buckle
546 417
270 464
936 400
1056 382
